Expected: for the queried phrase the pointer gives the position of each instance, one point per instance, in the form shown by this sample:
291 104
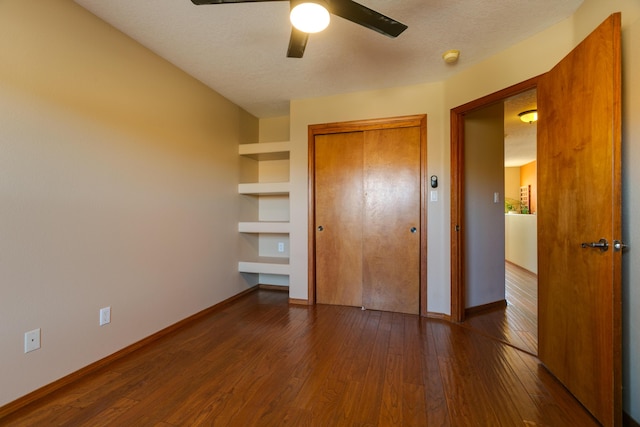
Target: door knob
320 228
601 244
413 229
618 245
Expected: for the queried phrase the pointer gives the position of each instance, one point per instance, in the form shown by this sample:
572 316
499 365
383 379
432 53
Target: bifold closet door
367 217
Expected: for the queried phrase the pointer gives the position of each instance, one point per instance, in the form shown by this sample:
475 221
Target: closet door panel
391 220
338 210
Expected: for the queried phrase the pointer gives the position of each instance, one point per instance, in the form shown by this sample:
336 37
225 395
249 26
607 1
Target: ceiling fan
347 9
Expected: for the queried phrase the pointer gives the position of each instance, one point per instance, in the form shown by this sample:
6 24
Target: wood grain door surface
339 205
579 164
367 216
391 219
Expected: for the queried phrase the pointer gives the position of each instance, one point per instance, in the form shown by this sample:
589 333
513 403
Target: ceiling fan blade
297 43
366 17
199 2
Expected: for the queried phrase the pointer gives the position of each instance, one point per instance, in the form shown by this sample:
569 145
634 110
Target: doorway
501 227
459 211
514 324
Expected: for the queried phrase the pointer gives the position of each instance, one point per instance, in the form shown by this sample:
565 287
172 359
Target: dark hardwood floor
517 323
263 362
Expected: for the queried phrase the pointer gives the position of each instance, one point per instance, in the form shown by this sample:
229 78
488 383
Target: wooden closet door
391 219
338 218
367 217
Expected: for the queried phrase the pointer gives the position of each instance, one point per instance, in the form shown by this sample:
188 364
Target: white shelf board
265 265
266 150
266 188
263 227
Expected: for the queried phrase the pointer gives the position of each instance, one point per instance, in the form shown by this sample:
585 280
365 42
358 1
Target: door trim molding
419 120
458 291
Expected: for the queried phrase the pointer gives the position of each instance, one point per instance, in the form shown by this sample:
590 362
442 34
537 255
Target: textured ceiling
519 137
239 50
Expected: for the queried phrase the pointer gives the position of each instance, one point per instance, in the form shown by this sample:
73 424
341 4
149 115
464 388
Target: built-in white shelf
264 188
263 227
266 150
265 265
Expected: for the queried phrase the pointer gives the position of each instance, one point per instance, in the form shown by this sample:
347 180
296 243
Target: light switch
496 197
434 195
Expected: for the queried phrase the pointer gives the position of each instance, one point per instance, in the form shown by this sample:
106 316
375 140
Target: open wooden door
579 222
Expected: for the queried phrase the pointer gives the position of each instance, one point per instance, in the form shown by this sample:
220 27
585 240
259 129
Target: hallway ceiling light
529 116
310 16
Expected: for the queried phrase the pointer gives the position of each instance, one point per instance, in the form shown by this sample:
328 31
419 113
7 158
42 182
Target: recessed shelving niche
265 220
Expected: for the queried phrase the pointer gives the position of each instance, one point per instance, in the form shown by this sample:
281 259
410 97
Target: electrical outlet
280 246
105 316
32 340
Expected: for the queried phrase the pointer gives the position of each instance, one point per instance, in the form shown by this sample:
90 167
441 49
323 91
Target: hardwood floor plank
468 398
54 415
263 362
437 407
414 406
374 381
365 344
108 416
328 402
517 323
413 357
392 396
550 397
318 363
506 386
259 374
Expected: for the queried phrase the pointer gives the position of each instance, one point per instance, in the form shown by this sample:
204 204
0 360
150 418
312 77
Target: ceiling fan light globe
310 17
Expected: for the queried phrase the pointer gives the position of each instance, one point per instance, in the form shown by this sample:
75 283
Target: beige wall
274 129
631 207
484 231
516 177
521 241
118 187
524 60
512 183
